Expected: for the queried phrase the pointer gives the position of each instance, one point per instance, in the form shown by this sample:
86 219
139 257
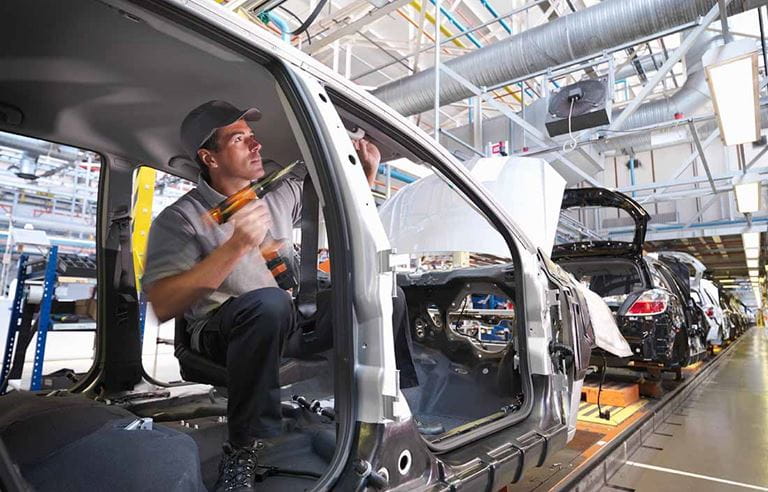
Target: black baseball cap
204 120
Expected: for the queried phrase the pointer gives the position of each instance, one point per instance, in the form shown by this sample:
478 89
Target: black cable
296 17
305 25
268 471
606 415
762 39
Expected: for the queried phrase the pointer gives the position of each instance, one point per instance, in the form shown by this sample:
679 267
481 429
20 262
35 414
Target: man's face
239 153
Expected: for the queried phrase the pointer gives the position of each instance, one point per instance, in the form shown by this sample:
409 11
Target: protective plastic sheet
607 334
428 216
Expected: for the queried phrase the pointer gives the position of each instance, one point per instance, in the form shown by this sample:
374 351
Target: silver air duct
686 101
589 31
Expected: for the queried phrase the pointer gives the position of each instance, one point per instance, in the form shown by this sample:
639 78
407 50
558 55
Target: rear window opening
613 280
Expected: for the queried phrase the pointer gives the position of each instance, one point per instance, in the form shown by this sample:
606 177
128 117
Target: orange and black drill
270 249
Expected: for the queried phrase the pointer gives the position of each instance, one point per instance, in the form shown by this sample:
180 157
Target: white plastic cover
428 216
607 334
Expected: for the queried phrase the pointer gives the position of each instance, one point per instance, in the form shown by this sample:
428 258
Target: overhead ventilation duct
587 32
685 102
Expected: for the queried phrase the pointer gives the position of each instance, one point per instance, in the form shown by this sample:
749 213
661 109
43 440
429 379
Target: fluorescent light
753 263
727 281
747 195
751 239
752 253
732 75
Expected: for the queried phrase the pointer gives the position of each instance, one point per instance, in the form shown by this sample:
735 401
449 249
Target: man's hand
251 225
171 296
370 157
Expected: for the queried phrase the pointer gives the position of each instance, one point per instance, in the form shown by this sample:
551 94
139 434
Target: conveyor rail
596 471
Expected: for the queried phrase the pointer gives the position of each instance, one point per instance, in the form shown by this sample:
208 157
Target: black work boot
237 469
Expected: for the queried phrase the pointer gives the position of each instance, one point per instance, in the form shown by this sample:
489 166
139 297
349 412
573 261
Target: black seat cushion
33 426
113 458
70 442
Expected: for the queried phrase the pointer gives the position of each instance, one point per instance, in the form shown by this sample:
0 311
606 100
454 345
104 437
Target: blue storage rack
50 278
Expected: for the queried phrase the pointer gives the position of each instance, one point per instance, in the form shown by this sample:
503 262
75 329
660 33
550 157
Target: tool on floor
315 407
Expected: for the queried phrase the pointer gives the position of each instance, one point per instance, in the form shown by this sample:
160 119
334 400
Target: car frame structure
116 77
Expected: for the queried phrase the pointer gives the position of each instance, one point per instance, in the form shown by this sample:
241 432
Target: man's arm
172 295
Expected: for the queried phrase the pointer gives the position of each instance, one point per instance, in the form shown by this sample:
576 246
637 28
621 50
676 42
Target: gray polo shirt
180 238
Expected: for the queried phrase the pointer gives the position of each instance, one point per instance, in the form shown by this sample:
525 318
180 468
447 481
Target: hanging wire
570 146
308 22
296 17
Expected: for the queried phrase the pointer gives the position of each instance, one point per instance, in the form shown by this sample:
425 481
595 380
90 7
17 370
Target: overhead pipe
649 63
586 32
396 173
684 103
281 24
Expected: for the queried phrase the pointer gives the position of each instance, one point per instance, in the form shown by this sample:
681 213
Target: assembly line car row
507 316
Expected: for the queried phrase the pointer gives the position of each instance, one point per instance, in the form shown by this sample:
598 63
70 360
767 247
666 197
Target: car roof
89 75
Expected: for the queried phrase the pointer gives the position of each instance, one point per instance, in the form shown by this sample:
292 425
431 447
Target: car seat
196 368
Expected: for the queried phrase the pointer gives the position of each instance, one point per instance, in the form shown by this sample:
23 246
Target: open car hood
428 216
602 197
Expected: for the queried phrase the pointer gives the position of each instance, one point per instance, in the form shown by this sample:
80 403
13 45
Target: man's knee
267 310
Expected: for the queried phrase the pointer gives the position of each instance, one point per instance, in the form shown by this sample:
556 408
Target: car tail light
649 303
711 312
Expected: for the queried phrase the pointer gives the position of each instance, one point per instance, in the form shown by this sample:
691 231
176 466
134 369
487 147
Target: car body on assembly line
116 77
705 295
649 301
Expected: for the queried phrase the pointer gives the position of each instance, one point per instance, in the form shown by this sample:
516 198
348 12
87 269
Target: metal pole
724 21
700 150
438 20
389 180
755 159
477 124
667 66
762 39
680 170
461 142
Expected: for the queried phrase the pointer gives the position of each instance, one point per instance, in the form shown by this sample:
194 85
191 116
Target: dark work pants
247 334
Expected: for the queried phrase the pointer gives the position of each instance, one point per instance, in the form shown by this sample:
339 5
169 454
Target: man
217 278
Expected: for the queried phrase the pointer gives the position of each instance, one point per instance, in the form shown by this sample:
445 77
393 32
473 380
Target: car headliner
85 74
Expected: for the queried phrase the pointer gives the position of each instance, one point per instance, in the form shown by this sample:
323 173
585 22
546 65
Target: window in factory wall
48 196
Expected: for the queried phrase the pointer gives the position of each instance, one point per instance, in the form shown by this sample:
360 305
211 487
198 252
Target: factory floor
718 440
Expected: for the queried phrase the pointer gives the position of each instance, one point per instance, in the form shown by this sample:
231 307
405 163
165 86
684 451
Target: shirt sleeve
172 247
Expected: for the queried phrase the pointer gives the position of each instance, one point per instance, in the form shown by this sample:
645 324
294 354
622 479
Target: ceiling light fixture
748 196
750 240
732 76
